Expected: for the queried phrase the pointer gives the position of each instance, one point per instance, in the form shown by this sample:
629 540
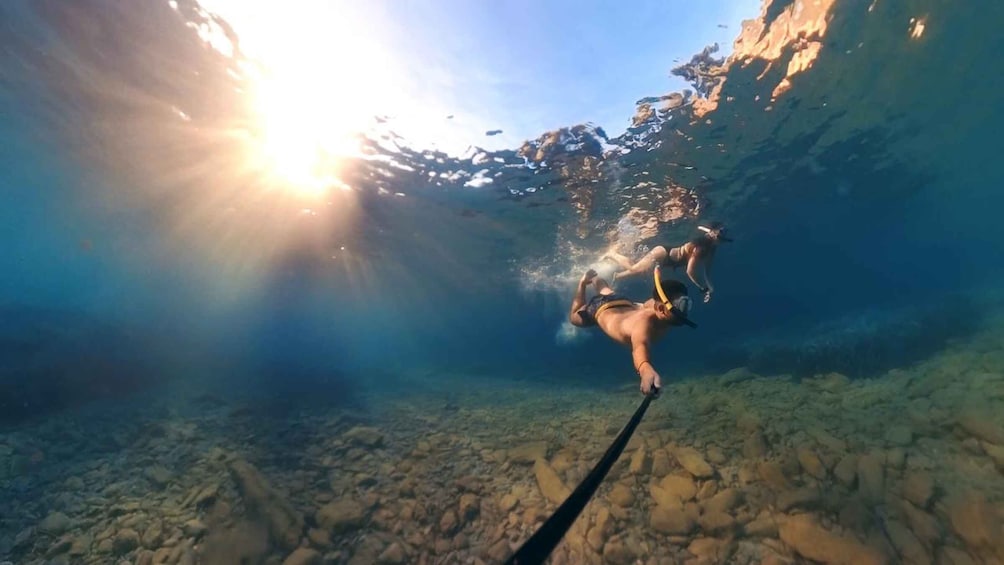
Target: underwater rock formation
864 344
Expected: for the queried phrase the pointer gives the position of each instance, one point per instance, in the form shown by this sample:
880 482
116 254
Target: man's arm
642 363
579 300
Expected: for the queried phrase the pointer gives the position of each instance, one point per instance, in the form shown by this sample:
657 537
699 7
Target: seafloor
733 468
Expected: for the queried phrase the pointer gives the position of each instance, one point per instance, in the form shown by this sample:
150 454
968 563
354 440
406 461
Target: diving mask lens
683 304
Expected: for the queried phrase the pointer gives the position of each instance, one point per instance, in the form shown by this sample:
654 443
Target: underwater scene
322 282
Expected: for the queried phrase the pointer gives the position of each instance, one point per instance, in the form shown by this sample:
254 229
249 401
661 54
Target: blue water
864 202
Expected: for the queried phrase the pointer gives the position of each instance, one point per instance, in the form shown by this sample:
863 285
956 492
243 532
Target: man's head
671 302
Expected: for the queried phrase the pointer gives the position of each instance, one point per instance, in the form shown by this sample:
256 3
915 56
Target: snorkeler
632 324
697 254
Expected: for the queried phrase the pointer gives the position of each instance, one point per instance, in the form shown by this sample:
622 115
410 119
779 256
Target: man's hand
707 296
588 277
650 379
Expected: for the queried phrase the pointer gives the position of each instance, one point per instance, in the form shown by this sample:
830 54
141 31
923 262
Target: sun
320 73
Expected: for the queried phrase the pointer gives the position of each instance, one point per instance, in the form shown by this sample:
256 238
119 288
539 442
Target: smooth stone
980 426
158 475
899 436
469 507
811 463
724 501
508 502
550 484
618 552
393 555
679 486
125 541
810 540
641 463
846 470
448 523
691 460
601 529
194 528
805 497
364 435
973 519
763 526
340 515
715 523
713 549
672 521
55 523
754 446
918 488
907 544
303 556
996 453
871 477
770 472
528 453
621 495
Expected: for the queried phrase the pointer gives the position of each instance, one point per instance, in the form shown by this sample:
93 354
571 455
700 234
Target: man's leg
579 300
602 287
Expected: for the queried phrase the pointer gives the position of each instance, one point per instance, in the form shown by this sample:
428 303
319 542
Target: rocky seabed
733 468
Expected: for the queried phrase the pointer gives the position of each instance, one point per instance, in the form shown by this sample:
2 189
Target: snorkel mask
679 307
716 233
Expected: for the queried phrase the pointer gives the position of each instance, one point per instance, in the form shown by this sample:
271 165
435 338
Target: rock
365 436
805 497
551 486
754 446
340 516
678 486
871 477
393 555
125 541
153 536
671 521
23 537
202 496
981 426
810 463
600 531
827 440
716 523
711 549
508 502
285 525
660 463
621 495
448 523
319 537
81 546
996 453
707 490
973 519
954 556
303 556
924 526
716 456
918 488
737 375
194 528
907 544
899 436
846 470
469 507
60 546
693 462
770 472
812 541
641 463
158 475
528 452
763 526
618 552
55 523
724 501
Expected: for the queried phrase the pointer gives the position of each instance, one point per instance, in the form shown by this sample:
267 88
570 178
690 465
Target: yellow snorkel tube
677 313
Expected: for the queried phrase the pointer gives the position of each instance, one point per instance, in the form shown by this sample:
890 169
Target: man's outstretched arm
642 363
579 300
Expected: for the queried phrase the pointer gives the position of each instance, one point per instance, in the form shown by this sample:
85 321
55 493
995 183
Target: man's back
622 324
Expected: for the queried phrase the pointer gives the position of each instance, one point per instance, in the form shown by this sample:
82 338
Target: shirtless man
697 254
634 325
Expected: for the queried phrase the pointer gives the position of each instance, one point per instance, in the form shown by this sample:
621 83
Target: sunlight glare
323 76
